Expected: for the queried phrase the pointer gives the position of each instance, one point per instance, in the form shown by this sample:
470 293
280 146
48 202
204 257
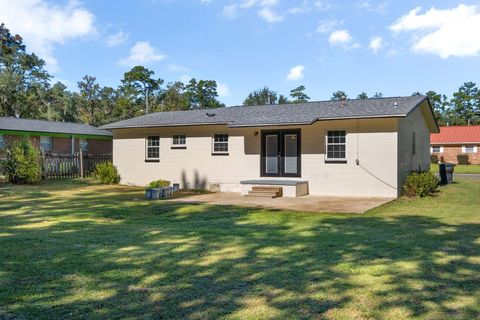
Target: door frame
281 150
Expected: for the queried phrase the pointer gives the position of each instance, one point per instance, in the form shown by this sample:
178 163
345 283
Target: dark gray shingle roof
301 113
50 127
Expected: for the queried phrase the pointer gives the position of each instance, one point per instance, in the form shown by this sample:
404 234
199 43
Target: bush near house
106 173
22 163
463 159
420 184
434 159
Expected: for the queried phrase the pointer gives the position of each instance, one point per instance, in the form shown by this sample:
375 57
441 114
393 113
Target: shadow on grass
107 255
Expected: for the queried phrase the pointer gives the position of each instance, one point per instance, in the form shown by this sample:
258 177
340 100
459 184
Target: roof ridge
49 121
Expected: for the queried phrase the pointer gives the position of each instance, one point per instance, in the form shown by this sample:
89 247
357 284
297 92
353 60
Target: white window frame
50 144
179 145
441 149
213 144
2 142
82 142
147 147
474 149
327 158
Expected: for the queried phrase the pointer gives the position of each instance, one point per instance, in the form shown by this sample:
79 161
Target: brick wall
450 153
63 145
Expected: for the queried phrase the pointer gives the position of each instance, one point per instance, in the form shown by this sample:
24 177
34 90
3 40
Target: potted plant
158 189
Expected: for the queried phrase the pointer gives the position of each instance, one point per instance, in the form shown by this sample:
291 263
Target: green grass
469 169
72 250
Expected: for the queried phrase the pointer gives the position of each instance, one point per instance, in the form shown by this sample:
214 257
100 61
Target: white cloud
185 78
296 73
230 11
326 26
376 43
177 68
341 37
322 5
116 39
269 15
222 89
366 5
205 1
443 32
44 25
141 53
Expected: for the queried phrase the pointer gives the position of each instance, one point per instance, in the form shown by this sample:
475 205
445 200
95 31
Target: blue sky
393 47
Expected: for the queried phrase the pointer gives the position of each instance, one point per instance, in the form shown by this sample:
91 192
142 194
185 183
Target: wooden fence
77 165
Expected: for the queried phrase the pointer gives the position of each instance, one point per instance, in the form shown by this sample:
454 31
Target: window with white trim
152 151
2 142
437 149
336 145
179 141
220 143
469 149
46 143
83 144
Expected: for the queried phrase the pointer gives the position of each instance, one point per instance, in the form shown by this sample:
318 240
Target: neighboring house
342 148
453 141
56 137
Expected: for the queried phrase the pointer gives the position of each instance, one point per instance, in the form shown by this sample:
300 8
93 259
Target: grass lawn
471 168
73 250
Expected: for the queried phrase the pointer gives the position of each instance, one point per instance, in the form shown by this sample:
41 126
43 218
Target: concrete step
262 194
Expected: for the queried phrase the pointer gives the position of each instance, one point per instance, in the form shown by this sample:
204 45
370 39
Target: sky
393 47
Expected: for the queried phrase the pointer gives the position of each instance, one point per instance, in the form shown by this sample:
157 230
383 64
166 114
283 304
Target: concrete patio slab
305 203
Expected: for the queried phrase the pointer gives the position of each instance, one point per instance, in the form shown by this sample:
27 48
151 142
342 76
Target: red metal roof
456 134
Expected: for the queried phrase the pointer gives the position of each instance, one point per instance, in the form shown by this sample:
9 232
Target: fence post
81 163
44 165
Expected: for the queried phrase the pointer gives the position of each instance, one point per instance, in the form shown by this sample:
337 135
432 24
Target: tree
141 81
298 95
416 93
23 79
262 97
378 95
202 94
466 103
338 95
173 97
89 100
362 95
60 106
440 106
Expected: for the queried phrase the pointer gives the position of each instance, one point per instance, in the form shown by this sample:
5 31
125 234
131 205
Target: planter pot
158 193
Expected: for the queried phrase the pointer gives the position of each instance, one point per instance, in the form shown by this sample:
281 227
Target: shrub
106 173
463 159
22 163
420 184
434 159
159 184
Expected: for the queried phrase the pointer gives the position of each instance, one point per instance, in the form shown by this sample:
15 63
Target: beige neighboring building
361 148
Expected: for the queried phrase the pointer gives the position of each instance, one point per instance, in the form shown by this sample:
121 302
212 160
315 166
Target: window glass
220 143
469 149
2 142
179 140
46 143
153 147
436 149
83 143
336 145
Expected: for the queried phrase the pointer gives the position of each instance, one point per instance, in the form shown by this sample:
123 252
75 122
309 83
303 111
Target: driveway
305 203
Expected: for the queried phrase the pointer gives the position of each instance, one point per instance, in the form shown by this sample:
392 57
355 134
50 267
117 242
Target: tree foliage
338 95
298 95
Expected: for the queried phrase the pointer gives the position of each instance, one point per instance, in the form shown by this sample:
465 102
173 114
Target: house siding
450 153
372 141
407 161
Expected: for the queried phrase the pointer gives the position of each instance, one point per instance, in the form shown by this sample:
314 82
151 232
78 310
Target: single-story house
56 137
340 148
453 141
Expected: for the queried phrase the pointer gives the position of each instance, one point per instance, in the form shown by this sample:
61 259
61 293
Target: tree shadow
113 257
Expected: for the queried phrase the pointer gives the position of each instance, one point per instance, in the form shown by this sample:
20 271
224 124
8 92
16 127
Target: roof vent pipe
342 101
210 114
